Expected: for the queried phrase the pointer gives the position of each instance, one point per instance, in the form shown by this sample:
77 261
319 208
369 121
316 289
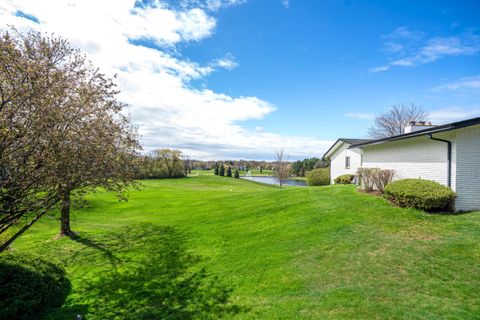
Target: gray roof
355 141
428 131
350 141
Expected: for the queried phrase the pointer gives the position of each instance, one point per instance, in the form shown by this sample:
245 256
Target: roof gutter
449 158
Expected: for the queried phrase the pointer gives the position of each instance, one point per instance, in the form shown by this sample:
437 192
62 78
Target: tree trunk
65 215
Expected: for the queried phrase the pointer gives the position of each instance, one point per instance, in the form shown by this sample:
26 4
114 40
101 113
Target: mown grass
228 248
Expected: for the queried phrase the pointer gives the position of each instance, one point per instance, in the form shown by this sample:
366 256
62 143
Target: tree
187 165
61 128
393 121
237 174
281 167
170 162
94 144
161 164
300 167
221 170
28 91
215 169
229 172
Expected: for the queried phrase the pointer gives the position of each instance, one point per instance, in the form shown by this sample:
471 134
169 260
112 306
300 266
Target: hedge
421 194
29 285
344 179
318 177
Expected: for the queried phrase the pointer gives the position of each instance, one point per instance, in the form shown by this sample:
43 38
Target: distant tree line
301 167
163 163
225 169
242 165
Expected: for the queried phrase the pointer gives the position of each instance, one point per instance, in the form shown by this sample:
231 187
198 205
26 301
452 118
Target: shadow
448 213
96 246
30 287
154 277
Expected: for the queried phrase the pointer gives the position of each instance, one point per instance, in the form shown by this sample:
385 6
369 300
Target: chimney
417 125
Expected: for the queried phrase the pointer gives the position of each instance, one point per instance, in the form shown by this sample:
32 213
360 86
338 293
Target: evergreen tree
215 169
261 170
237 174
221 170
229 172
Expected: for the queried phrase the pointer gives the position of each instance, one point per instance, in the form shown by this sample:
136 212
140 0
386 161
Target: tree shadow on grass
156 278
96 245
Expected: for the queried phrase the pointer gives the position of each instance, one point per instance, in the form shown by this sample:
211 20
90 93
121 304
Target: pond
272 180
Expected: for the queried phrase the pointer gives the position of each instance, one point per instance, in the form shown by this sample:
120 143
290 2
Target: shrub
29 285
237 174
344 179
374 178
366 177
382 178
421 194
318 177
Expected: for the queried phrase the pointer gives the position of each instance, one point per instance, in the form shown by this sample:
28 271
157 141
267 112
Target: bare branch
393 122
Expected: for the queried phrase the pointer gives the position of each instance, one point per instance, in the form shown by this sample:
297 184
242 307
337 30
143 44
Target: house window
347 162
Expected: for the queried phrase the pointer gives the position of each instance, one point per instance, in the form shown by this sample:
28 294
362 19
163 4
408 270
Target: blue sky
238 78
313 59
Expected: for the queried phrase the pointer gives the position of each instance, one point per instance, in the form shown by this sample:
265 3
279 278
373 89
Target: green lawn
293 253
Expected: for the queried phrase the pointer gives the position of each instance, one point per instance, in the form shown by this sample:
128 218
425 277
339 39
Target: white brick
337 164
468 169
422 157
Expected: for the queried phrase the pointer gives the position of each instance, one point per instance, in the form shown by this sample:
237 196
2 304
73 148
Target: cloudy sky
239 78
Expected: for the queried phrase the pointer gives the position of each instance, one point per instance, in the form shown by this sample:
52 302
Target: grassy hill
294 253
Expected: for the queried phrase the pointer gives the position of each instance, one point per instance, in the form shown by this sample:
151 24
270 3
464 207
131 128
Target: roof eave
332 149
444 128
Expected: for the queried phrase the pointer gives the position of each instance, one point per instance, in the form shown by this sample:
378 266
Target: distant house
448 154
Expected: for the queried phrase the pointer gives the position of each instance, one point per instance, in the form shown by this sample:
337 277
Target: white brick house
344 160
448 154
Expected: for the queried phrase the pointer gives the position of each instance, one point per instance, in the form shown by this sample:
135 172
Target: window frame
347 162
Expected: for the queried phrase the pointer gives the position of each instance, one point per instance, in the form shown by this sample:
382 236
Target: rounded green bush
344 179
319 177
421 194
29 285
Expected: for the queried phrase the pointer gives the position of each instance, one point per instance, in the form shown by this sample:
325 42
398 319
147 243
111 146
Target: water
272 180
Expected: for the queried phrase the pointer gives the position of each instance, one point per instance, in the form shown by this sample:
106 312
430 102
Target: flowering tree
61 129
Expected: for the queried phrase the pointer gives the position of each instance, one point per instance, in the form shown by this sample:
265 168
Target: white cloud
214 5
392 47
408 49
437 48
210 5
379 69
136 44
404 33
360 115
463 84
227 62
452 114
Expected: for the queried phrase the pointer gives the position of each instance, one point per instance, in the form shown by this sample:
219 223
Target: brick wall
418 157
468 169
337 165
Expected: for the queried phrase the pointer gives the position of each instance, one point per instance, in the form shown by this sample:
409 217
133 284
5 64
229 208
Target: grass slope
294 253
